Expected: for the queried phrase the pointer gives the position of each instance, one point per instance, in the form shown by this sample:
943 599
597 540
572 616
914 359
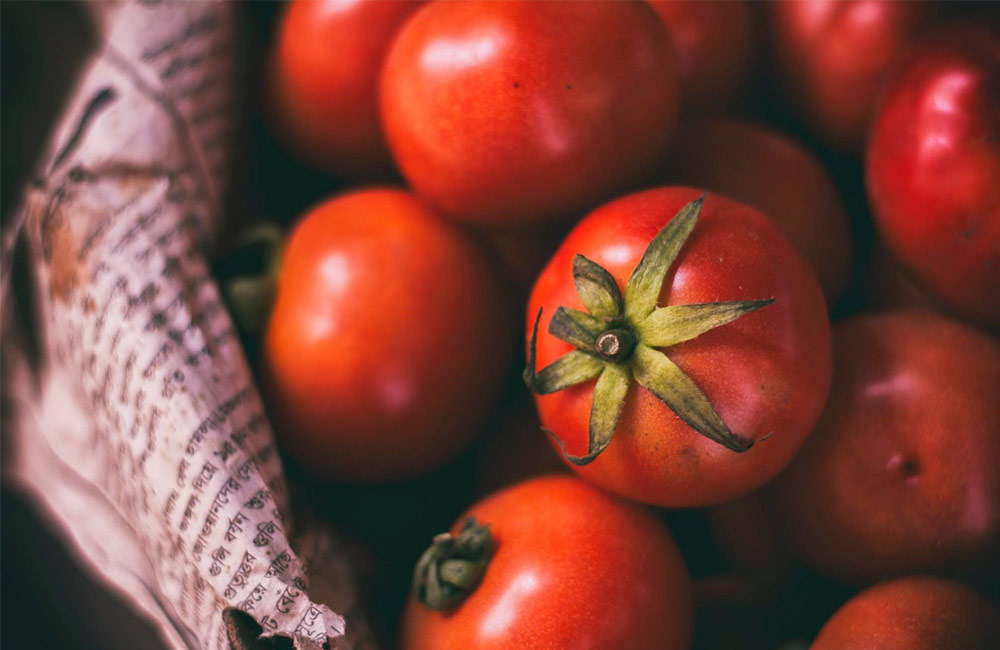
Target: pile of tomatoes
581 268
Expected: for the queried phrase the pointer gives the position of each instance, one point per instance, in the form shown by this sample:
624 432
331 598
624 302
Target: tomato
900 476
835 55
324 78
572 568
714 45
388 340
766 374
517 112
778 177
933 168
917 613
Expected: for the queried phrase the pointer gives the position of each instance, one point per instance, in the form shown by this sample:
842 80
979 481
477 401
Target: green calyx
453 566
619 339
249 275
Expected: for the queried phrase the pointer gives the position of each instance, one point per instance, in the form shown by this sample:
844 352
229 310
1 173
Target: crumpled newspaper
140 433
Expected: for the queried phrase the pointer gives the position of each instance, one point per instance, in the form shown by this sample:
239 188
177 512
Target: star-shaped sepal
621 338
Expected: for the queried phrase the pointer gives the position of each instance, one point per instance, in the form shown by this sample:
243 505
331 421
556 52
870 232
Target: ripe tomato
714 45
900 476
388 340
766 374
917 613
572 568
516 112
778 177
933 168
324 78
835 56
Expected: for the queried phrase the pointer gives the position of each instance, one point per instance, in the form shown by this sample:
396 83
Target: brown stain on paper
69 216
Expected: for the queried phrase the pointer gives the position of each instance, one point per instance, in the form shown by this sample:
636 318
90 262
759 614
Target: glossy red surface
913 614
777 176
835 56
324 78
714 45
507 112
933 168
900 476
574 569
767 373
388 341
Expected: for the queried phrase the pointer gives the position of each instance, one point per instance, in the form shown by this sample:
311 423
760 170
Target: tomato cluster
748 255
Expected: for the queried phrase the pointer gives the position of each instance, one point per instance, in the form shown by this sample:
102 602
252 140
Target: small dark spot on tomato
517 84
903 466
569 86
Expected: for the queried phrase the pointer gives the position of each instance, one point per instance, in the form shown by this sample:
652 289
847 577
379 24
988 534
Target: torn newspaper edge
142 436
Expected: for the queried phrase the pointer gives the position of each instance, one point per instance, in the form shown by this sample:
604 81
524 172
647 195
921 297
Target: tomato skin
714 45
496 118
766 373
917 613
835 56
933 168
772 173
574 568
324 77
388 340
900 475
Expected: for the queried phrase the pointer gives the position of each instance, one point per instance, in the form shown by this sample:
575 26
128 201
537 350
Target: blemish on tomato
906 467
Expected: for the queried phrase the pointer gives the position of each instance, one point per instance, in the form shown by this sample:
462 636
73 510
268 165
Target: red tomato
388 340
714 45
778 177
916 613
900 476
573 568
324 78
767 373
835 56
933 168
516 112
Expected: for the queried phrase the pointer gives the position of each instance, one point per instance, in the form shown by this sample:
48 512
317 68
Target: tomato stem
452 567
616 345
249 275
621 338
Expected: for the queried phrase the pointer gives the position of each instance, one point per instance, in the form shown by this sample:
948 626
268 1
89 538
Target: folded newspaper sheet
142 435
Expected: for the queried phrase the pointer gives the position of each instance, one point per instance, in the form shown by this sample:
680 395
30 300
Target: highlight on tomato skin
900 475
323 80
915 613
571 567
388 342
765 374
496 118
773 173
932 168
